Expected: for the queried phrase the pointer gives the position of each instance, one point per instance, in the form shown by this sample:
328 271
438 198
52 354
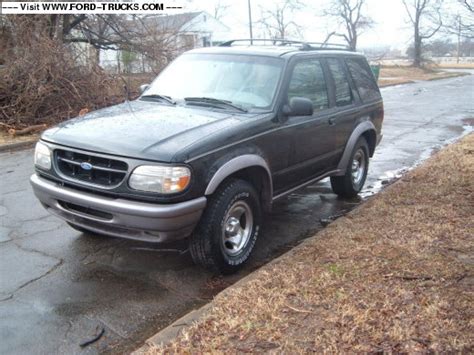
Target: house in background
179 33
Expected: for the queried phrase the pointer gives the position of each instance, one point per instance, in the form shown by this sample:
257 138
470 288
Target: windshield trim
276 96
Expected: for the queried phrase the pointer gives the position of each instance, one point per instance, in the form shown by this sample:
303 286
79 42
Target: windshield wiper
159 97
214 102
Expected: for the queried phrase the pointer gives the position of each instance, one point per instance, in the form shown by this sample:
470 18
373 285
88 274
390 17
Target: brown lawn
395 75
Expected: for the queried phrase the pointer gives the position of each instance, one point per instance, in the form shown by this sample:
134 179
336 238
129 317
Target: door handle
331 121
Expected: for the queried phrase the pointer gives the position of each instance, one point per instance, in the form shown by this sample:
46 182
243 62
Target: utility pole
250 23
459 37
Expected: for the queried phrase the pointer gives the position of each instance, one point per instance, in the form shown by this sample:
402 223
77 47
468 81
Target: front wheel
352 182
228 230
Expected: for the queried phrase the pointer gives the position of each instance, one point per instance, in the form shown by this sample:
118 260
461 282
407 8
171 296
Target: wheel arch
371 138
364 129
250 167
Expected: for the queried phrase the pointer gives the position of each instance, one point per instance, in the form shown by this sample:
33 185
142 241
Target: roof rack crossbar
285 42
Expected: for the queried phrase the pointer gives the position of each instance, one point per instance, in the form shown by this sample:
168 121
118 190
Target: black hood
144 130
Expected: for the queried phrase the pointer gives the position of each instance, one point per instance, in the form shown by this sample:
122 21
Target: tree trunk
353 43
417 60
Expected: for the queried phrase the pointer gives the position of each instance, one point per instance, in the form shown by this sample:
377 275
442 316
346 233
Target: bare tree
47 78
425 16
278 22
349 15
460 20
220 7
100 31
153 37
42 81
157 39
468 5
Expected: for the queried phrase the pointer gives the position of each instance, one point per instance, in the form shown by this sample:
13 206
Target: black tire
209 246
347 185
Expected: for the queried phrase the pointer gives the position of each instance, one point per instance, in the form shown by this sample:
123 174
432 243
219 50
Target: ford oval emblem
86 166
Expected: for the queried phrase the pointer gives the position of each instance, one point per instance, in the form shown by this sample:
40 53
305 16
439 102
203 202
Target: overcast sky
391 27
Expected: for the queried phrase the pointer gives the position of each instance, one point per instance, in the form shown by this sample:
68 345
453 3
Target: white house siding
206 26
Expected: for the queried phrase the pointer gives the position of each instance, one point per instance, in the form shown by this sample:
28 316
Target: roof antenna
125 88
127 94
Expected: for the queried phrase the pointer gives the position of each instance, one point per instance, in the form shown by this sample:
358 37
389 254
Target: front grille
99 171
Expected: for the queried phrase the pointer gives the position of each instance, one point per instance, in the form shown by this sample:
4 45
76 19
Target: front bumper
119 217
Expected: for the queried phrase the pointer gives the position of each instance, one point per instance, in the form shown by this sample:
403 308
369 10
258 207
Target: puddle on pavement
3 211
388 178
4 234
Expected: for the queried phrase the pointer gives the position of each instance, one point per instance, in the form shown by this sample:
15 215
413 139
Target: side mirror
144 88
298 106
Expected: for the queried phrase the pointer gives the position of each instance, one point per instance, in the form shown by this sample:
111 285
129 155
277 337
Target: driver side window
308 81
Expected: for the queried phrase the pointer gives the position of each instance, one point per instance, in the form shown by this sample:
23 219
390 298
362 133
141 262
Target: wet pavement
60 288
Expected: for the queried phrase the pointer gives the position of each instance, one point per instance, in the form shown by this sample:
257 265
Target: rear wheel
228 230
352 182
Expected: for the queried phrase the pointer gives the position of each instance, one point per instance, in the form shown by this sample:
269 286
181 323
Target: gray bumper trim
128 219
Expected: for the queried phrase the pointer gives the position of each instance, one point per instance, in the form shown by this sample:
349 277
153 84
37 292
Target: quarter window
342 87
364 79
308 81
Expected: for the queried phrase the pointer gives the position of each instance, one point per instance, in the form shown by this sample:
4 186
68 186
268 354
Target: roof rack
304 46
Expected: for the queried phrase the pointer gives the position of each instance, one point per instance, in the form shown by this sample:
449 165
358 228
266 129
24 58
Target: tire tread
342 185
200 245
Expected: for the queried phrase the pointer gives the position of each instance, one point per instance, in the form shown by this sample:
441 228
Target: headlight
42 156
160 178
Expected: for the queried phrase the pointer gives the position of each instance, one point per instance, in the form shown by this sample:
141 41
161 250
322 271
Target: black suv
218 136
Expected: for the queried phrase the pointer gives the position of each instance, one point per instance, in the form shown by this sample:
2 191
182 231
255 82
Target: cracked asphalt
60 288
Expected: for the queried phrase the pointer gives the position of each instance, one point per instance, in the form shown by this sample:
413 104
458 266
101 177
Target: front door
313 139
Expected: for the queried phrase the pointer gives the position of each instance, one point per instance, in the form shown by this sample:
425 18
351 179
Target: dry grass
6 138
395 75
455 65
395 275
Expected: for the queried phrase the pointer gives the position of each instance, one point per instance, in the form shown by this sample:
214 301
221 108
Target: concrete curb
18 145
169 333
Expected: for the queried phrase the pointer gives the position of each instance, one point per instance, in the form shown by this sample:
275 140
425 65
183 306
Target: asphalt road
59 288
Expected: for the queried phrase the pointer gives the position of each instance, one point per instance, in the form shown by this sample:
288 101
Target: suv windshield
247 81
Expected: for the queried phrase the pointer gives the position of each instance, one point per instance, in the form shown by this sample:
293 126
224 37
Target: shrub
44 81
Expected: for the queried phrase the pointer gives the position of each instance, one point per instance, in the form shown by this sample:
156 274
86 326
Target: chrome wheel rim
358 167
237 228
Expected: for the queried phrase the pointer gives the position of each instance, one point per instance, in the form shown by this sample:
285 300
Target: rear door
345 99
371 107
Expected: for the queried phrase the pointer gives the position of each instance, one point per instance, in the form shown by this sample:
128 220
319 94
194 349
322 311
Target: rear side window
308 81
342 87
363 78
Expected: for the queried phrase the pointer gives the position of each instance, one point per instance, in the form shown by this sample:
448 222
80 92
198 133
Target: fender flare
356 134
239 163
